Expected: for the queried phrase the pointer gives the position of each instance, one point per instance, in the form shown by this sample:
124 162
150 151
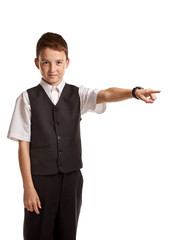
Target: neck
53 84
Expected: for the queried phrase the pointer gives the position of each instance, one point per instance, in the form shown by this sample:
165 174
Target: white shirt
20 126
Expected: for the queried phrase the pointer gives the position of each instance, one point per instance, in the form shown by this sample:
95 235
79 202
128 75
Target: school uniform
49 118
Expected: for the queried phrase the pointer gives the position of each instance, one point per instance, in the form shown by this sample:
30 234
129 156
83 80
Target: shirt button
60 152
59 137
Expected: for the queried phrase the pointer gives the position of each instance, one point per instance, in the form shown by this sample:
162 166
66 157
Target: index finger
154 91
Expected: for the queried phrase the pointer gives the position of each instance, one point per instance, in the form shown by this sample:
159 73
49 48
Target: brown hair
53 41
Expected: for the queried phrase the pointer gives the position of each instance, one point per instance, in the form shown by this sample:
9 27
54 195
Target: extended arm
120 94
31 199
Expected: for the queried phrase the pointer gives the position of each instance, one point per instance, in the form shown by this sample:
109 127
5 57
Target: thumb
38 202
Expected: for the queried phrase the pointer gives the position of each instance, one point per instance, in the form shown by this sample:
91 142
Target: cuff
100 107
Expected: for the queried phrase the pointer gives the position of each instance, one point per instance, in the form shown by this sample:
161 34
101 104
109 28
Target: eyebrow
61 60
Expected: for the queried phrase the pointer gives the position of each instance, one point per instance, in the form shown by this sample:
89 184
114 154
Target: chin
53 81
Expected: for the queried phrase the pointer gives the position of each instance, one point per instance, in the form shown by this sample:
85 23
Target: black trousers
61 199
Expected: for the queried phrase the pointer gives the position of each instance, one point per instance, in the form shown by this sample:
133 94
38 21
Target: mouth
52 75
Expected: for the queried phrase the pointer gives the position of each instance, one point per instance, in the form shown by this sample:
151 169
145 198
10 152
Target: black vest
55 131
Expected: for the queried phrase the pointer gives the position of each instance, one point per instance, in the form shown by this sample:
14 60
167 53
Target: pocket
81 175
44 146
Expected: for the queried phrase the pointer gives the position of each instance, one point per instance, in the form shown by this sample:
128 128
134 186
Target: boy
46 123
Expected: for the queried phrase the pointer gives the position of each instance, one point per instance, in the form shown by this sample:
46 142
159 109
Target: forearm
114 95
25 165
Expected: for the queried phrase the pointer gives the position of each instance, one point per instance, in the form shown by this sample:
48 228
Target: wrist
134 92
28 185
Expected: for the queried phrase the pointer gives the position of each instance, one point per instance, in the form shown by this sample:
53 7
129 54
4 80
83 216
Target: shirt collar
48 88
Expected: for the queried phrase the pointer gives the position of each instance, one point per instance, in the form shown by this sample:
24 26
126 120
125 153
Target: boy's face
52 65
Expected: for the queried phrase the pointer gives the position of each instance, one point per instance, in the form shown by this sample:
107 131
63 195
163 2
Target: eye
59 62
45 63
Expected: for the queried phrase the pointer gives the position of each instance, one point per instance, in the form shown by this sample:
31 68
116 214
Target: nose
52 68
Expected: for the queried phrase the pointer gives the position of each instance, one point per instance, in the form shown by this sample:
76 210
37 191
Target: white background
125 150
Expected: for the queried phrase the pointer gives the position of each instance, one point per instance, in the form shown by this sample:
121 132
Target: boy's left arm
120 94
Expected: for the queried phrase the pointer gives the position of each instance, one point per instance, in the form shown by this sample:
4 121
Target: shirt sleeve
88 101
20 125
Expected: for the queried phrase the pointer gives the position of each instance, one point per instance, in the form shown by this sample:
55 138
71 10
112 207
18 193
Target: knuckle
34 204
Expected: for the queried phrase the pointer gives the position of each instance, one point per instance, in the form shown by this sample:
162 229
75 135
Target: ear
67 62
37 63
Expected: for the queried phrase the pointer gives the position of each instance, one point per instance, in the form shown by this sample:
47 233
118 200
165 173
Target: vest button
60 152
57 122
59 137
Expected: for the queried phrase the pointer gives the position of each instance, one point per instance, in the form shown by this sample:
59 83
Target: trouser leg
41 226
69 207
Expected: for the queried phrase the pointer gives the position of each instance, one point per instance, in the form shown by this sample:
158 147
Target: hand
147 95
31 200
